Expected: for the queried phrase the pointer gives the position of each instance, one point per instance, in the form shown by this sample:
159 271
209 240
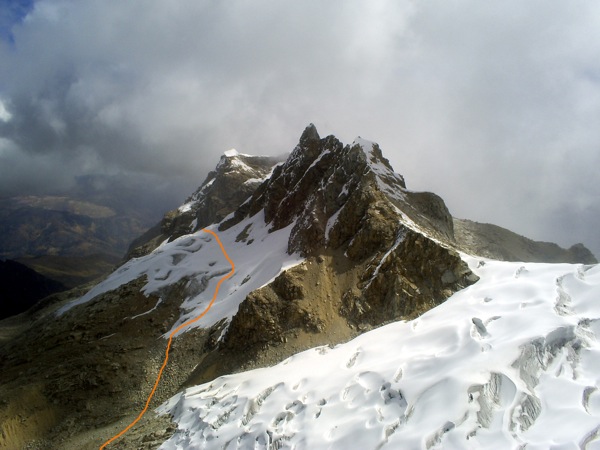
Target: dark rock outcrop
22 287
322 178
417 275
346 202
234 179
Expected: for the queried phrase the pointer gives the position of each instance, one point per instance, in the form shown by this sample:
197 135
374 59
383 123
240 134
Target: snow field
509 361
258 259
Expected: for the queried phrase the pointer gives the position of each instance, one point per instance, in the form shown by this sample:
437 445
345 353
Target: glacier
512 361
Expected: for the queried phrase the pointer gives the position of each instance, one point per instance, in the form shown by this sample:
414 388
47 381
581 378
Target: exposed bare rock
324 182
234 179
367 265
92 366
370 258
415 276
495 242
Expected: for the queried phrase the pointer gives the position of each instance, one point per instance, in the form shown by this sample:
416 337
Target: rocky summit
328 244
234 179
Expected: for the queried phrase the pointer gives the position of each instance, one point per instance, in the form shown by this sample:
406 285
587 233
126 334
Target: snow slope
510 362
259 256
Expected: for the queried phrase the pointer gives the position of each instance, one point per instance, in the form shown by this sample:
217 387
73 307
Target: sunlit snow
198 259
509 362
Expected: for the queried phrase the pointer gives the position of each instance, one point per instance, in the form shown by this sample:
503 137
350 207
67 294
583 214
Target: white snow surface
198 258
510 362
241 165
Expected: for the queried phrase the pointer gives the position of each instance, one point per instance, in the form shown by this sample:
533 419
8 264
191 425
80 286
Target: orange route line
185 324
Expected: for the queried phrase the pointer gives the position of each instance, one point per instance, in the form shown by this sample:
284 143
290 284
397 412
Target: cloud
5 115
493 106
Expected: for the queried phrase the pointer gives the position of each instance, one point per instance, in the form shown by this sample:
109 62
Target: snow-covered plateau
513 361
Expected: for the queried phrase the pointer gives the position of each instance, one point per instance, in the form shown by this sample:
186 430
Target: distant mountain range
69 240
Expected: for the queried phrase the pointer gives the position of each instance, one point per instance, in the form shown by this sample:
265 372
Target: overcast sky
493 105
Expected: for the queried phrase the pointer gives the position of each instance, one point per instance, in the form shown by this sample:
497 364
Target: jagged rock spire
310 134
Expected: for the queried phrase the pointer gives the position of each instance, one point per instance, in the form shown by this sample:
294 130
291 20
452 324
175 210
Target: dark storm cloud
492 105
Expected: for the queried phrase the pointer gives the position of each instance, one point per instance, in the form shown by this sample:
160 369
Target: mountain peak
234 179
310 134
320 188
325 183
327 245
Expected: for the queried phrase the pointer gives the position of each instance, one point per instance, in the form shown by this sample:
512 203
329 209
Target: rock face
345 202
332 192
234 179
494 242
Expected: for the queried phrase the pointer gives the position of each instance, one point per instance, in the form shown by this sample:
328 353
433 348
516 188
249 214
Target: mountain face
342 206
328 244
234 179
22 287
495 242
325 184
